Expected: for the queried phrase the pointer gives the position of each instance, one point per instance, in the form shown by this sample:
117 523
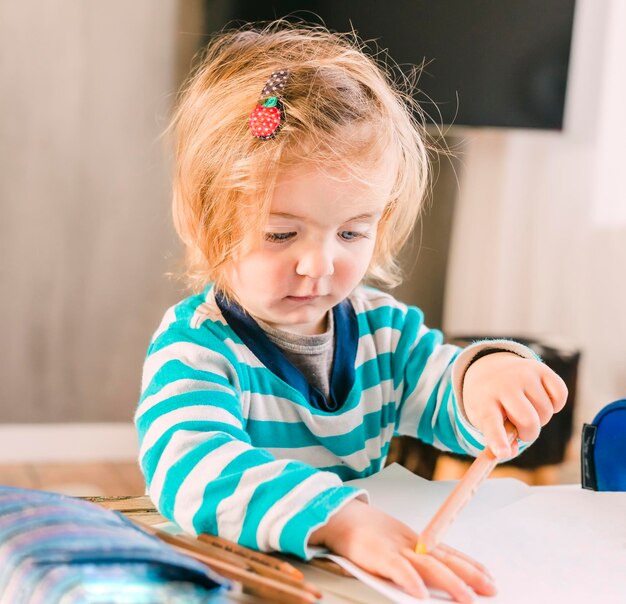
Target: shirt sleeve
431 405
201 469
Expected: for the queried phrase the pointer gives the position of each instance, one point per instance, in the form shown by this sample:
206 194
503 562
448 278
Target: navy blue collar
342 374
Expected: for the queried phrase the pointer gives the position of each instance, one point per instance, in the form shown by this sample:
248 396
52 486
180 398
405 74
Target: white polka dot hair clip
266 118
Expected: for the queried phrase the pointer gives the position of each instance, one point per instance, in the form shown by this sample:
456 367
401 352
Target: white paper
553 547
414 500
543 545
386 588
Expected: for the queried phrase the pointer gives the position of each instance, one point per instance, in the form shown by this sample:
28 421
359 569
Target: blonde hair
341 109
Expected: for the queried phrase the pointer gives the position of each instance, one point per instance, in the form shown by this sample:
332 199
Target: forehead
308 189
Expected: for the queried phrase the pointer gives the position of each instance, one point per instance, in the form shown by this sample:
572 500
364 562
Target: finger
541 402
404 574
492 426
479 580
515 448
459 554
556 389
439 576
523 416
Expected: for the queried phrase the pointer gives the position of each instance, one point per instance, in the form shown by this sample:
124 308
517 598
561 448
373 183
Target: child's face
317 247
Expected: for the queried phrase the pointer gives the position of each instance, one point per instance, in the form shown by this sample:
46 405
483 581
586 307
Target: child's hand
503 386
385 547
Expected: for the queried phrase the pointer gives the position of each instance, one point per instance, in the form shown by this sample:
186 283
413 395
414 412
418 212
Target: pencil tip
421 548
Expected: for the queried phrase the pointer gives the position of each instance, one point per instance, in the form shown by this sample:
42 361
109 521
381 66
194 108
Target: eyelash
279 237
354 235
284 237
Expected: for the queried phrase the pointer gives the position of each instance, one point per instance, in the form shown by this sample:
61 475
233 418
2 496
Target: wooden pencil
257 579
258 557
330 566
480 469
252 564
271 561
141 509
125 503
267 589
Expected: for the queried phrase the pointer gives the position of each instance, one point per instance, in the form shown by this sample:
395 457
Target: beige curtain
86 88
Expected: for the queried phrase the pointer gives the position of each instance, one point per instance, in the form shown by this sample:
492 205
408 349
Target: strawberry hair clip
266 118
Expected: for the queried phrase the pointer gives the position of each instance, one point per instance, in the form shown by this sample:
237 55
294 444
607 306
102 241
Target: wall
84 197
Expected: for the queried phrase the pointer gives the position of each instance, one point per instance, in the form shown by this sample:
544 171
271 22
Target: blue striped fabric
56 549
229 448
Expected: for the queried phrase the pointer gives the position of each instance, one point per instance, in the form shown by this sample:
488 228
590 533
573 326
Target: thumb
496 437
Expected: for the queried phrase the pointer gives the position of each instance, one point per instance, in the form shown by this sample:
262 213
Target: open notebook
543 544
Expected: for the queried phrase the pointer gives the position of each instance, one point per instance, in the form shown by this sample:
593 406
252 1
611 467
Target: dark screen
498 63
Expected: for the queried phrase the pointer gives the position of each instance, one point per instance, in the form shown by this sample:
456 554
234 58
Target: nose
315 261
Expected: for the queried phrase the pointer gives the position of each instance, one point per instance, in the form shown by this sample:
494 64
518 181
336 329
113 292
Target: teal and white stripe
227 447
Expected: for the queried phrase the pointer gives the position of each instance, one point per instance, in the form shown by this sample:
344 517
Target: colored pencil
140 509
252 555
330 566
282 590
480 469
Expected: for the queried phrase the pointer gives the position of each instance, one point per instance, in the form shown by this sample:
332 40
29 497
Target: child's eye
278 237
350 235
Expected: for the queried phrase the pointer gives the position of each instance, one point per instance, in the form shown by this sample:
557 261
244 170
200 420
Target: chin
303 318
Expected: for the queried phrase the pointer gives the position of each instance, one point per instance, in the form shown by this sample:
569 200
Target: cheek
355 265
262 270
240 274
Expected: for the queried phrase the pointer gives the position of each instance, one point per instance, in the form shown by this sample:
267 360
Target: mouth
304 298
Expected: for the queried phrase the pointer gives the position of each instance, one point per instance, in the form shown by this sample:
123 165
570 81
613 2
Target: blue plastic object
603 455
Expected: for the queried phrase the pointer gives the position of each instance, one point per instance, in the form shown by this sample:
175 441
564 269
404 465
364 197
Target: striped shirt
235 442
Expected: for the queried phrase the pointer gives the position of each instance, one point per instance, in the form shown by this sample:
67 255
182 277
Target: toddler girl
300 170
